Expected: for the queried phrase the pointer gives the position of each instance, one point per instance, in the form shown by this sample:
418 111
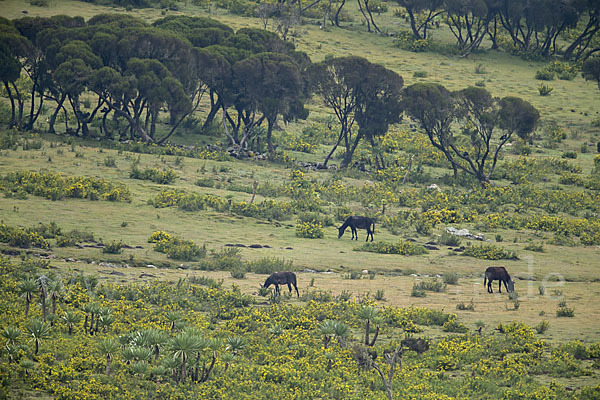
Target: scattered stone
151 266
255 246
365 271
138 247
312 271
430 247
289 248
70 259
464 233
434 187
266 246
145 275
112 273
431 243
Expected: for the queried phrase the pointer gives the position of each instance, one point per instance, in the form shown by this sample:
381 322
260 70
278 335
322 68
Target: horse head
341 231
268 282
511 285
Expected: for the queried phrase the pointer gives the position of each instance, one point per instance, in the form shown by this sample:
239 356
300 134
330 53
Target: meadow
172 241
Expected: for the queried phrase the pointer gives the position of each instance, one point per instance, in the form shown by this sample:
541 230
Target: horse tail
484 278
373 224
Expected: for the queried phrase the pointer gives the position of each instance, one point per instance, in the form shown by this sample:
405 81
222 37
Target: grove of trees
129 72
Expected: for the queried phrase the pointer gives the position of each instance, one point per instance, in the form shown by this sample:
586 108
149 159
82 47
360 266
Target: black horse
501 275
282 278
360 223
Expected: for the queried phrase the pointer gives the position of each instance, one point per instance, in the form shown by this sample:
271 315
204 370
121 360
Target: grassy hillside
534 211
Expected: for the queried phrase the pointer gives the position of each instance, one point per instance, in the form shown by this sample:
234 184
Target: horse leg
277 289
296 287
290 287
500 285
505 285
355 233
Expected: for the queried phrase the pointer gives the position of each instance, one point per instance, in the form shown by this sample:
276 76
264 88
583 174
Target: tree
108 347
468 21
14 49
476 150
54 291
358 91
379 106
369 314
173 317
28 289
585 34
270 83
590 70
421 13
11 334
39 330
71 318
10 70
183 346
432 106
517 116
535 25
365 9
43 285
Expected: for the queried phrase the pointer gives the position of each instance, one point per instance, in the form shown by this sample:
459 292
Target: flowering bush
19 237
56 186
309 229
175 248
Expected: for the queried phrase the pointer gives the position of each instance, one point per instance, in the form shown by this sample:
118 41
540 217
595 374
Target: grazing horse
282 278
501 275
360 223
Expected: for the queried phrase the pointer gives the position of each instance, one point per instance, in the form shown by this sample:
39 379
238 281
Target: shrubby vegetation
56 186
122 339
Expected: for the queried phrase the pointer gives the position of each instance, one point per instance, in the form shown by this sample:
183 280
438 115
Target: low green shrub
268 265
175 248
113 247
402 248
450 278
489 252
163 177
448 239
466 307
431 285
542 327
538 248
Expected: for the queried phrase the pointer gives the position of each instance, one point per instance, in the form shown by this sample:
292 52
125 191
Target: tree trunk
270 147
12 105
337 13
107 370
55 113
183 369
